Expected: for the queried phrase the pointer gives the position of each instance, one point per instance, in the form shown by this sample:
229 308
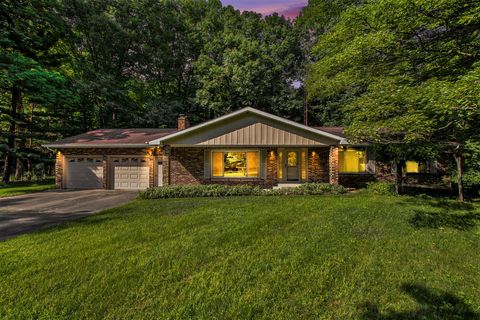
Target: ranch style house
247 146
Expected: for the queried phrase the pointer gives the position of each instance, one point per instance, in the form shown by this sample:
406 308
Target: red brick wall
186 166
333 165
59 161
272 168
318 164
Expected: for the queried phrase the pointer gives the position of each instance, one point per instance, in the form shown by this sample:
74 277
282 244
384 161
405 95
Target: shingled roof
338 131
113 137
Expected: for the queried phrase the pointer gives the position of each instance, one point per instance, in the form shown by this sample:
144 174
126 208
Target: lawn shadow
444 219
442 213
433 305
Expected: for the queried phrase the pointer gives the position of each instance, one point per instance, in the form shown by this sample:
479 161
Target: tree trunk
399 177
10 159
459 160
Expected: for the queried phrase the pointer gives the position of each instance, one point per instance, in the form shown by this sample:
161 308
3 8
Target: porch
266 167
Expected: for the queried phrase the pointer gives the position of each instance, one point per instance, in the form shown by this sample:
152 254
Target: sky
288 8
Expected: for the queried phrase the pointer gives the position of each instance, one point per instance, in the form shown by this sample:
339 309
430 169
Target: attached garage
130 173
84 173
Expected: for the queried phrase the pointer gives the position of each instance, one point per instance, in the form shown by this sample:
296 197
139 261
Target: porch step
286 185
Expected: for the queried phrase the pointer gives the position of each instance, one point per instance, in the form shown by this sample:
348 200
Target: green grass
300 257
19 188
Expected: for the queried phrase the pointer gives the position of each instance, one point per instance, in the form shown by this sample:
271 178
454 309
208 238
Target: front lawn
298 257
19 188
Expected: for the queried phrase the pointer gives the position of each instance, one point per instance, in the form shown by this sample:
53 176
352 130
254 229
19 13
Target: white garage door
84 173
130 173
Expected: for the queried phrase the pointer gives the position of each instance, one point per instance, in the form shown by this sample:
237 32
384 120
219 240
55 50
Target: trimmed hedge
217 190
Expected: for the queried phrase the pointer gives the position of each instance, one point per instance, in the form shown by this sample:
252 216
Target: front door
292 165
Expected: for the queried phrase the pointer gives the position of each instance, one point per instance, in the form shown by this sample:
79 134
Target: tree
30 33
408 68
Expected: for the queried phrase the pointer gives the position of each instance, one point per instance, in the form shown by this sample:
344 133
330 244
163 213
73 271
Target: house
247 146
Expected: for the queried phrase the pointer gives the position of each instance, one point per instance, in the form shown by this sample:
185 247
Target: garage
130 173
84 173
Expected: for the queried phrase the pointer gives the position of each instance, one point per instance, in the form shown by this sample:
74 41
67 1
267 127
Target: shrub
190 191
216 190
381 188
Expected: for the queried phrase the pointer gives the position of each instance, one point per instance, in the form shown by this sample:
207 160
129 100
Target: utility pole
305 107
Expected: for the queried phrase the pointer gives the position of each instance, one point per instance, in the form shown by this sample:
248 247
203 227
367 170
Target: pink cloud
287 8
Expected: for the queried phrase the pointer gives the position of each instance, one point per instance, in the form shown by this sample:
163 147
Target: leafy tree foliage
29 55
68 66
409 69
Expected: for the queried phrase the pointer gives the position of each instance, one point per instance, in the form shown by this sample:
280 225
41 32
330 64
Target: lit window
252 163
235 164
292 159
412 167
351 160
304 165
217 167
280 165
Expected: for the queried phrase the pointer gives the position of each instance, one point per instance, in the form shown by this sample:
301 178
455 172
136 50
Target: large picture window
235 164
352 160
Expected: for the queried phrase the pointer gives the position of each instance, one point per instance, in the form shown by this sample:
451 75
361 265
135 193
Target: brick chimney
183 122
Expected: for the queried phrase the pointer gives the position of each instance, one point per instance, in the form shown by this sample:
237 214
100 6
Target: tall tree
408 68
29 37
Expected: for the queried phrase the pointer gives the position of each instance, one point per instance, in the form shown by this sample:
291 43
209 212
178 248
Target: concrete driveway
35 211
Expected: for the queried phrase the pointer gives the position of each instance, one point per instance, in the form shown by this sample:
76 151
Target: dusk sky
288 8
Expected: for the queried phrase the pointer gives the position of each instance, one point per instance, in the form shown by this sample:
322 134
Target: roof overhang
90 145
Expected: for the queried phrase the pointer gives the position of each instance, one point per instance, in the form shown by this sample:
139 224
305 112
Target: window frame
223 151
359 148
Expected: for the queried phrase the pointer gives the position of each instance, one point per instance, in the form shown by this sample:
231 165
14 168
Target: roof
338 131
113 138
249 110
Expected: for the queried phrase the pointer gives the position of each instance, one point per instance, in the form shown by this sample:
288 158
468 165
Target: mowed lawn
19 188
300 257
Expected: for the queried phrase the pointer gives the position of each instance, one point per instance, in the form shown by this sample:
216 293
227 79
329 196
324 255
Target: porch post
333 165
166 165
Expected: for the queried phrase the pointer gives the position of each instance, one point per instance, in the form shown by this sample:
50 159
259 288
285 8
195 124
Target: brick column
59 170
106 182
166 165
272 167
333 165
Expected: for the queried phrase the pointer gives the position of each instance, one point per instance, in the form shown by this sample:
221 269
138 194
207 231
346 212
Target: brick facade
318 168
59 162
186 166
333 165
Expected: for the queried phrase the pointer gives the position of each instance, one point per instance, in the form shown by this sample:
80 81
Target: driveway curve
35 211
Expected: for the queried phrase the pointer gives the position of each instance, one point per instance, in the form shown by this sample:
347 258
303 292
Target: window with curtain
352 160
236 164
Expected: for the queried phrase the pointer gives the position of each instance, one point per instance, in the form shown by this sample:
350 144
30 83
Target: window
235 164
280 165
304 165
352 160
412 167
420 167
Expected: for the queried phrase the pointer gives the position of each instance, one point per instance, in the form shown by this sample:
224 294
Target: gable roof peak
257 112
